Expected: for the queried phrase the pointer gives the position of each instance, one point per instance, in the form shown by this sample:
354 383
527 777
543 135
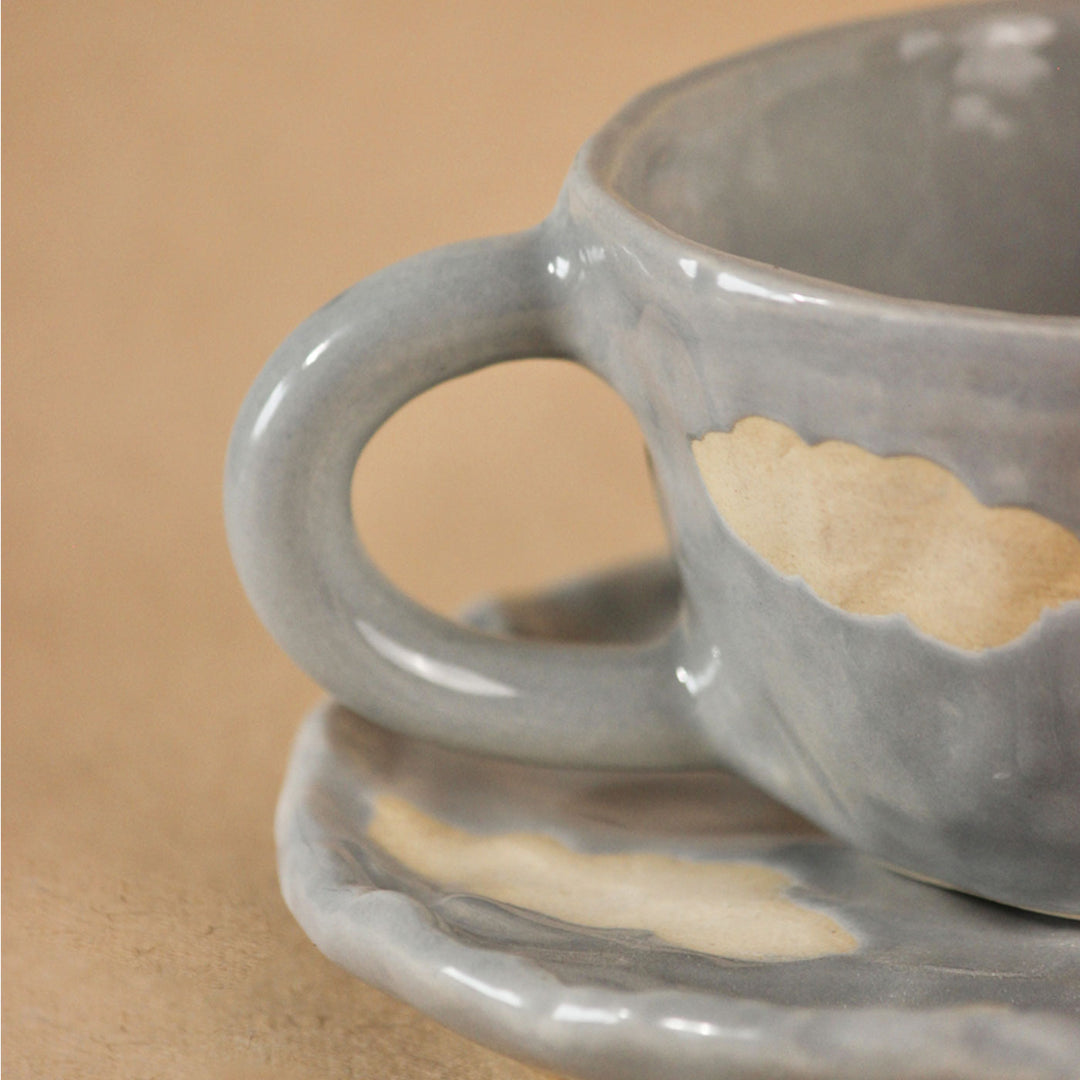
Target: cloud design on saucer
735 909
885 535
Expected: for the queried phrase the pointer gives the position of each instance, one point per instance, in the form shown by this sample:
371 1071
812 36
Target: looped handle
294 448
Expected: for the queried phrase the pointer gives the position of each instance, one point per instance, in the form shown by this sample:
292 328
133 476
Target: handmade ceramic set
838 282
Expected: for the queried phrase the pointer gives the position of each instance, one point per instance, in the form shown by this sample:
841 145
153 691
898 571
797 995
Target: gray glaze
934 158
940 984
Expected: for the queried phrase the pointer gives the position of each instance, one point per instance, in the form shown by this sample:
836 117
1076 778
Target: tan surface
184 182
879 536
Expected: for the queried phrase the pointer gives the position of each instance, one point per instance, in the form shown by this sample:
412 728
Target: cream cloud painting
884 535
735 909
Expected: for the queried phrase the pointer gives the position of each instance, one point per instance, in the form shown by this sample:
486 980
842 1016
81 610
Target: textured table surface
184 184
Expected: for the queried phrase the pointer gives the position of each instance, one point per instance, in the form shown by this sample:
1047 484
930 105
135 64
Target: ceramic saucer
651 924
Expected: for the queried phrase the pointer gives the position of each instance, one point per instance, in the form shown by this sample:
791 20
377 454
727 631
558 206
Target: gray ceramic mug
838 281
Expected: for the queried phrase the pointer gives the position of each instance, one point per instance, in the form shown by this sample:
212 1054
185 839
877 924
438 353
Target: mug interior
932 158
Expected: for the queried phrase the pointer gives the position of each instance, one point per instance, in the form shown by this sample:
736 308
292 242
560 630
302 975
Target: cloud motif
735 909
886 535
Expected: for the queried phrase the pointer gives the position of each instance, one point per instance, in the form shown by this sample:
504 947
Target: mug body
842 270
838 280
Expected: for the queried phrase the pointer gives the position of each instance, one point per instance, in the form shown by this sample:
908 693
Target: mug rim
599 159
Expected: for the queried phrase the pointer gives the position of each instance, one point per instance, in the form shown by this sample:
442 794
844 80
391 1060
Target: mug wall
957 764
909 747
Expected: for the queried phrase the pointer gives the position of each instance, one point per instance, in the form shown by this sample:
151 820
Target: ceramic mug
838 282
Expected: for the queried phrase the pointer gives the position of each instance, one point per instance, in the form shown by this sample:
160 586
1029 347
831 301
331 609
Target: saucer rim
498 998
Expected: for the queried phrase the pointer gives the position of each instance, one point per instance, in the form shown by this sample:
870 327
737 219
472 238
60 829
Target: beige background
185 182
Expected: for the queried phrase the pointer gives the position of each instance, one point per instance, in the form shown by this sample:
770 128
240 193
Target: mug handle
321 397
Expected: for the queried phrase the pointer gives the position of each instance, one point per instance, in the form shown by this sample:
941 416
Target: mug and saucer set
807 802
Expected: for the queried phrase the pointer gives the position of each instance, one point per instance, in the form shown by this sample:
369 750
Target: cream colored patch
879 536
731 909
